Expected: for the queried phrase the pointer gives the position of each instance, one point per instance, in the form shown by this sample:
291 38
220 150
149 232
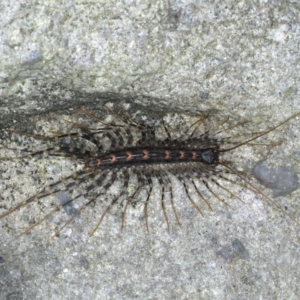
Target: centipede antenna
262 134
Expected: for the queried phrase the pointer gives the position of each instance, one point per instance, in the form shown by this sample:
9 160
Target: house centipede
136 154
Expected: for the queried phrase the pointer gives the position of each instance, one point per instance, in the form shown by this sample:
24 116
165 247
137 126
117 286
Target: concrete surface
241 58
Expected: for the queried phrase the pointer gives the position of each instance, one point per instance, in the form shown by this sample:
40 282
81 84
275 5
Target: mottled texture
240 57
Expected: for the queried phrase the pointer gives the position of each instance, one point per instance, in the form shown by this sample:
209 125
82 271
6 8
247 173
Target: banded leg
115 199
129 200
182 179
168 184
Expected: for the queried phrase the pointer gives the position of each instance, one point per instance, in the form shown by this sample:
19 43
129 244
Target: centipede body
142 160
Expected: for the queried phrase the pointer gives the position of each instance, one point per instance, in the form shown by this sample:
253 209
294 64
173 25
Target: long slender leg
50 190
129 200
57 150
169 186
58 208
146 207
260 192
98 182
150 184
129 136
147 137
201 196
182 179
68 187
228 191
112 203
162 201
127 119
213 193
57 232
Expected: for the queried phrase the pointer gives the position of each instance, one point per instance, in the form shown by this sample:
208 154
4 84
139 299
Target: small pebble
239 249
281 180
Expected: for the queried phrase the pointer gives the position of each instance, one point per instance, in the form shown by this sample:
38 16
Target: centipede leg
150 184
169 186
162 201
213 193
114 201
